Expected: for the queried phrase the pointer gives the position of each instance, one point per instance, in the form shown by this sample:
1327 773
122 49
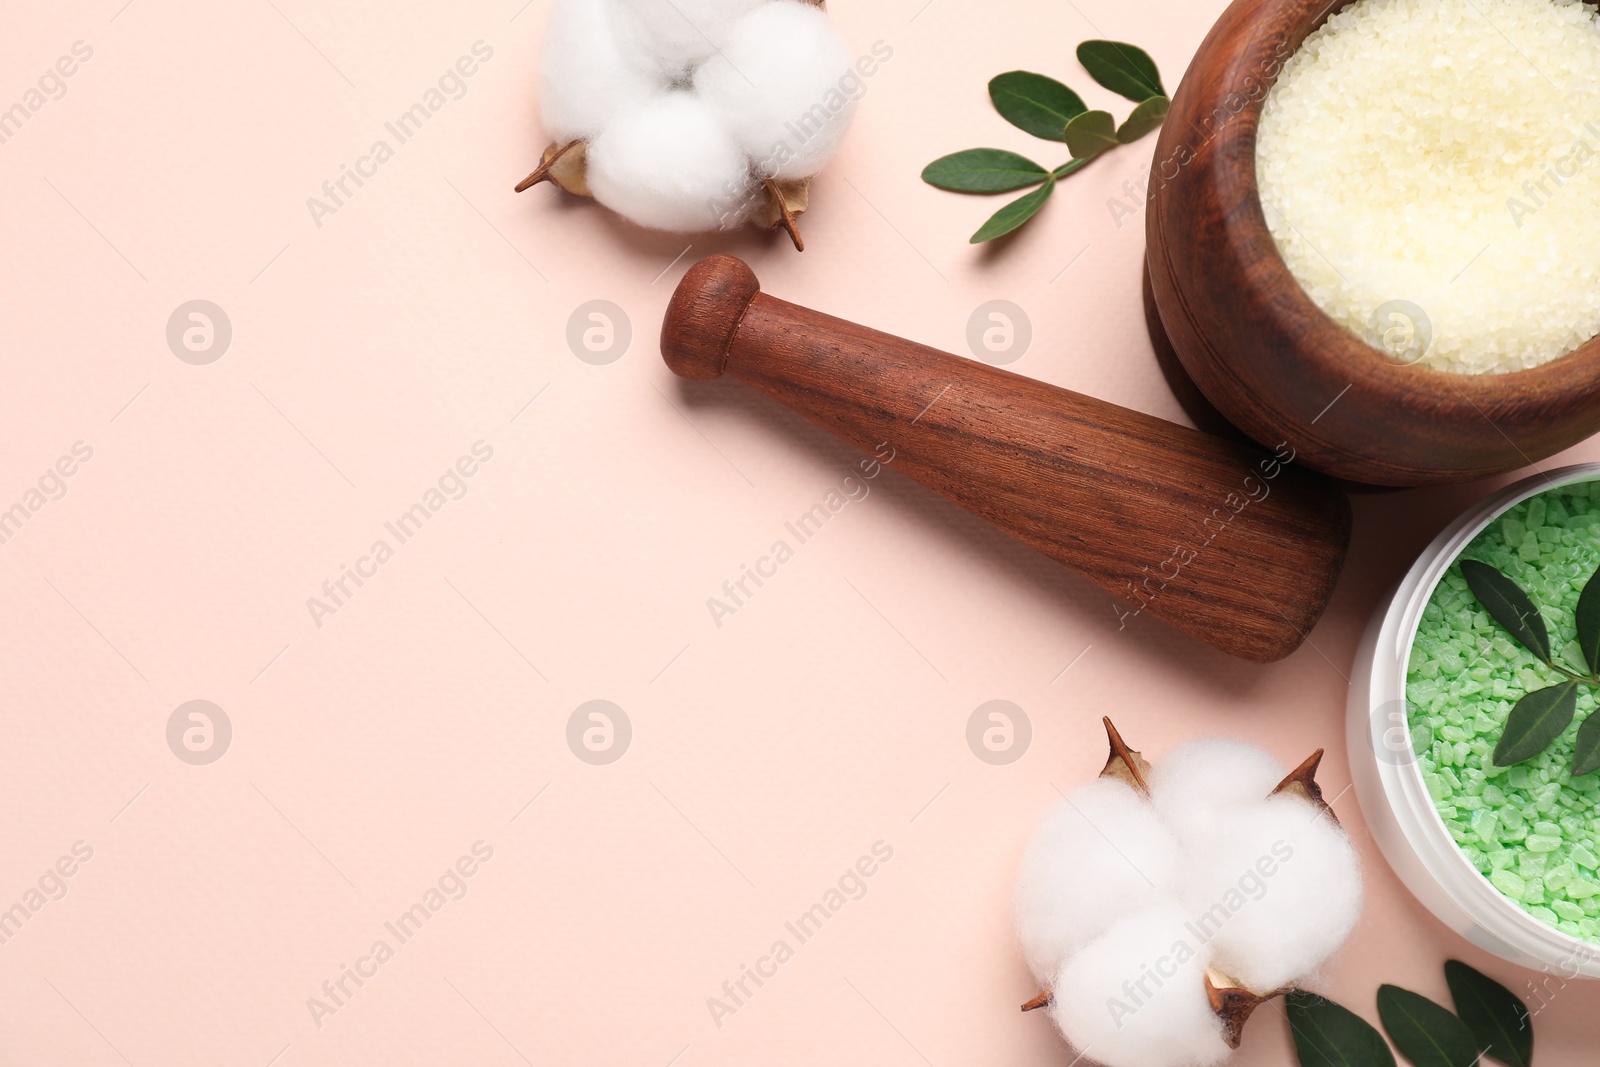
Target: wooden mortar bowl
1264 354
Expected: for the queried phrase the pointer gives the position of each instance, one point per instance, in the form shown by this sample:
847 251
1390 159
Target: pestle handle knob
705 314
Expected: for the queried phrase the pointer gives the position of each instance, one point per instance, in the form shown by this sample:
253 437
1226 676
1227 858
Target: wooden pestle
1236 546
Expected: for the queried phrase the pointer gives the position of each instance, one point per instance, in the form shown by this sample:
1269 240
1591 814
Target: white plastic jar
1388 778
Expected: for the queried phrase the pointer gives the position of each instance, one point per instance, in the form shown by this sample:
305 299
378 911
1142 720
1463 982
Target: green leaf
1041 106
1589 623
1015 213
1070 167
1509 605
1538 719
1146 117
983 170
1091 133
1425 1033
1498 1020
1586 758
1326 1035
1122 68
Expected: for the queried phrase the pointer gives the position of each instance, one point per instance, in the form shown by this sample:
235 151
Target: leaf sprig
1489 1021
1543 715
1049 110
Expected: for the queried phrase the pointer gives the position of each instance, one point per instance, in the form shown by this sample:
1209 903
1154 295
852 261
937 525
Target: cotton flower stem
1302 782
786 217
542 172
1234 1005
1043 1000
1124 762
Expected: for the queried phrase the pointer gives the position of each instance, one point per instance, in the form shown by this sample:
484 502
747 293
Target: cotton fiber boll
682 34
1214 771
1200 778
1274 889
783 82
1136 996
1097 854
1251 887
618 85
669 164
590 69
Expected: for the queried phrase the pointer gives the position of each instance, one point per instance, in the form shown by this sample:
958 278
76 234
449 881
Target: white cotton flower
1098 852
1136 996
589 71
685 107
682 34
783 83
670 165
1276 888
1129 900
1202 776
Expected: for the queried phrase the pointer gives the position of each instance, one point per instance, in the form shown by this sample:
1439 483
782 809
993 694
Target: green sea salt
1532 829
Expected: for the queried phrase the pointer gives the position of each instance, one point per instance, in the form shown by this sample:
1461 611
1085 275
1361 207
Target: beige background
430 710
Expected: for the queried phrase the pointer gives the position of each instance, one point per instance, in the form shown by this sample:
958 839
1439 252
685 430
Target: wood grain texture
1202 412
1258 347
1233 545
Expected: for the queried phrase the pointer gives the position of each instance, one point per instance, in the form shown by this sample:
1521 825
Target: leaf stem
1071 166
1587 679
